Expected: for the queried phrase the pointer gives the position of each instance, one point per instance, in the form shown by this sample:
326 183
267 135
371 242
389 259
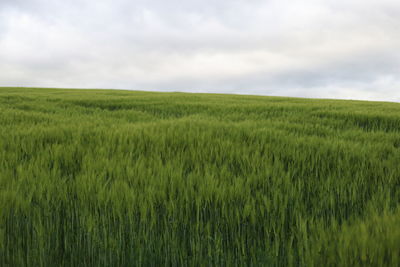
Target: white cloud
340 49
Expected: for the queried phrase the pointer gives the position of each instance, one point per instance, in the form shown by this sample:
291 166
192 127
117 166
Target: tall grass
117 178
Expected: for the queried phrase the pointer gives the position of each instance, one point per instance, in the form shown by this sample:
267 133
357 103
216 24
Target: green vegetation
119 178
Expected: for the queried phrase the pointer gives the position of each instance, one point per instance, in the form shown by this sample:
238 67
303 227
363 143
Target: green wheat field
127 178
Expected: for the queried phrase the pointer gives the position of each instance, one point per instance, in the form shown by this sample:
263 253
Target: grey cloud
300 48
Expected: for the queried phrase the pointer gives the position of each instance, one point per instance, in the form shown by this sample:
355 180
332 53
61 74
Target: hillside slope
120 178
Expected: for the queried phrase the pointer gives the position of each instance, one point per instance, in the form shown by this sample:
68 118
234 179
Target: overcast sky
315 48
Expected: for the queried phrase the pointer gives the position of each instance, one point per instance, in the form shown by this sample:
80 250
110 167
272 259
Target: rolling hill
128 178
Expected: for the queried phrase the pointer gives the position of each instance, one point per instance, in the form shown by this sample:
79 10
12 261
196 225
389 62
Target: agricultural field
127 178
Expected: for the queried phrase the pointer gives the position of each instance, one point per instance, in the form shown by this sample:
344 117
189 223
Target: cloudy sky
311 48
